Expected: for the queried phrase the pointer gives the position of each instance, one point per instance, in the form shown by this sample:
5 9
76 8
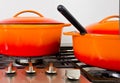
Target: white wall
85 11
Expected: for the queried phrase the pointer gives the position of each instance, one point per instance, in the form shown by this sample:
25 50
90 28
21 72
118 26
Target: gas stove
59 68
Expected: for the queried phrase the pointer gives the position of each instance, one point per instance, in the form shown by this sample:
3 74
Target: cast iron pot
101 50
30 36
97 45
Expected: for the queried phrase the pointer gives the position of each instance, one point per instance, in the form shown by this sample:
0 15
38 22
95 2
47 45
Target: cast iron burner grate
98 75
60 60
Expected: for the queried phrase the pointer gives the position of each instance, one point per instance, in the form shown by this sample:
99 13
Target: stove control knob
73 74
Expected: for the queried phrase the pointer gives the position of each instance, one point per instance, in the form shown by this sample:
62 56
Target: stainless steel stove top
60 68
39 77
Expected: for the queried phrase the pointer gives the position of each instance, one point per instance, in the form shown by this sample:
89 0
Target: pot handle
31 11
71 33
67 24
109 17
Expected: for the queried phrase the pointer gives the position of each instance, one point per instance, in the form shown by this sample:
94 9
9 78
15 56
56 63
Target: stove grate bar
95 79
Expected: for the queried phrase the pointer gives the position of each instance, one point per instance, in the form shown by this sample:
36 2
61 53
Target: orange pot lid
40 19
105 26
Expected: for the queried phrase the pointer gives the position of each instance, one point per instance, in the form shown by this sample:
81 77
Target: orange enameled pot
97 45
100 46
101 50
30 35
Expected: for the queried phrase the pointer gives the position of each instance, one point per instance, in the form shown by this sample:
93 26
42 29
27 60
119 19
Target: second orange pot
97 49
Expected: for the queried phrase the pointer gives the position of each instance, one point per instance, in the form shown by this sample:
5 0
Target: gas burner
25 62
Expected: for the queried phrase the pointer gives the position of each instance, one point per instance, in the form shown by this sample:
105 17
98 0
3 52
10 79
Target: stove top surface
49 69
39 77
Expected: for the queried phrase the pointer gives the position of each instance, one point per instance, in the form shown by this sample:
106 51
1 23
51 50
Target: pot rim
92 35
